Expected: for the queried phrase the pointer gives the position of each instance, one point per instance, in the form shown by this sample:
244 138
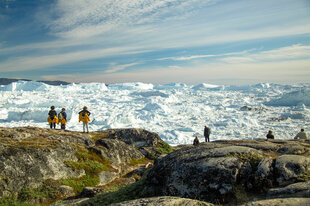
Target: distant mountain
6 81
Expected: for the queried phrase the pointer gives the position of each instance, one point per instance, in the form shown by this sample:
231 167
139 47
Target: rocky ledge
135 167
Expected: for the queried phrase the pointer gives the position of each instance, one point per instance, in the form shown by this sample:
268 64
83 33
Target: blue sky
156 41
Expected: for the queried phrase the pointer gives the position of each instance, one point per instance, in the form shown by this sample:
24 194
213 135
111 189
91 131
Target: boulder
281 202
199 172
134 137
300 189
289 167
163 201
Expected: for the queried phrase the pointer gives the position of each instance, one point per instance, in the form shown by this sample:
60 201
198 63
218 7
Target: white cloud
37 62
116 68
186 57
296 51
76 17
278 72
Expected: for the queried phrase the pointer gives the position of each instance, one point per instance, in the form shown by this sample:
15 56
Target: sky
228 42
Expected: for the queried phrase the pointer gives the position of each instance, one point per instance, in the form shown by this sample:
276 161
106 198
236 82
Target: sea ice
176 111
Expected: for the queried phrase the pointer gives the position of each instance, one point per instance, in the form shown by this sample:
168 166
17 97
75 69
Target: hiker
270 135
62 118
196 141
207 133
52 118
84 117
301 135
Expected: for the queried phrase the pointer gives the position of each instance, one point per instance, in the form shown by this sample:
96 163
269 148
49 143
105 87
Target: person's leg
208 138
87 127
84 124
51 125
54 125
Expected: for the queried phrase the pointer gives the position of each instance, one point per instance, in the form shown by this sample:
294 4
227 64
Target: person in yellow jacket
84 117
62 118
52 118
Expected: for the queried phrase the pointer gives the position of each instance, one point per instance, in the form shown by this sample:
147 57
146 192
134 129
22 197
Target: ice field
177 112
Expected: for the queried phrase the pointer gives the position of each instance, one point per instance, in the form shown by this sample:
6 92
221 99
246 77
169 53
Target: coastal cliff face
41 166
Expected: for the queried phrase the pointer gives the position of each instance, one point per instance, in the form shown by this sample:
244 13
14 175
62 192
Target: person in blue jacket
62 118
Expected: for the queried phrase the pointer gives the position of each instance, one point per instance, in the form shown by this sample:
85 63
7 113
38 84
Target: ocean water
177 112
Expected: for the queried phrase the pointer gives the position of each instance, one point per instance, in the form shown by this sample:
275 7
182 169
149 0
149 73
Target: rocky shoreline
135 167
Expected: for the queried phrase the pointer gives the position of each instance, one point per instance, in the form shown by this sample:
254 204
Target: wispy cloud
116 68
97 16
37 62
296 51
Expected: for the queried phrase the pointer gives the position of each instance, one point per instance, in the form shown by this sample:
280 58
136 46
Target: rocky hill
41 166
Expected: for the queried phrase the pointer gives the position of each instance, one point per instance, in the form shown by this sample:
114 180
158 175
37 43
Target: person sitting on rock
62 118
84 117
196 141
301 135
270 135
52 118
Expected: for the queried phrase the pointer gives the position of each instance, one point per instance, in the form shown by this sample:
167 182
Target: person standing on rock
52 118
84 117
207 133
301 135
270 135
196 141
62 118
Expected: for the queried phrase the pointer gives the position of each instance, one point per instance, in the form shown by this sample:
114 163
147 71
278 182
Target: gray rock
105 177
66 191
135 137
264 173
71 202
163 201
282 202
289 167
119 153
197 172
301 189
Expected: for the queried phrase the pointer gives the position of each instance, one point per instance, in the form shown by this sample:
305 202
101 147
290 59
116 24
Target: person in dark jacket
52 117
62 118
84 117
270 135
207 133
196 141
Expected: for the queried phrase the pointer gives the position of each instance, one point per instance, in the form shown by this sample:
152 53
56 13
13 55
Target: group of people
53 119
301 135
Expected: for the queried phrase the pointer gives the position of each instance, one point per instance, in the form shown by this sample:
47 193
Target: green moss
304 177
138 161
92 163
164 148
85 155
78 184
90 167
253 158
12 201
99 136
43 193
37 142
130 192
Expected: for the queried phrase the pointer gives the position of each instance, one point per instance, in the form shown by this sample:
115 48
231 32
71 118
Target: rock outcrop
38 159
91 167
226 171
